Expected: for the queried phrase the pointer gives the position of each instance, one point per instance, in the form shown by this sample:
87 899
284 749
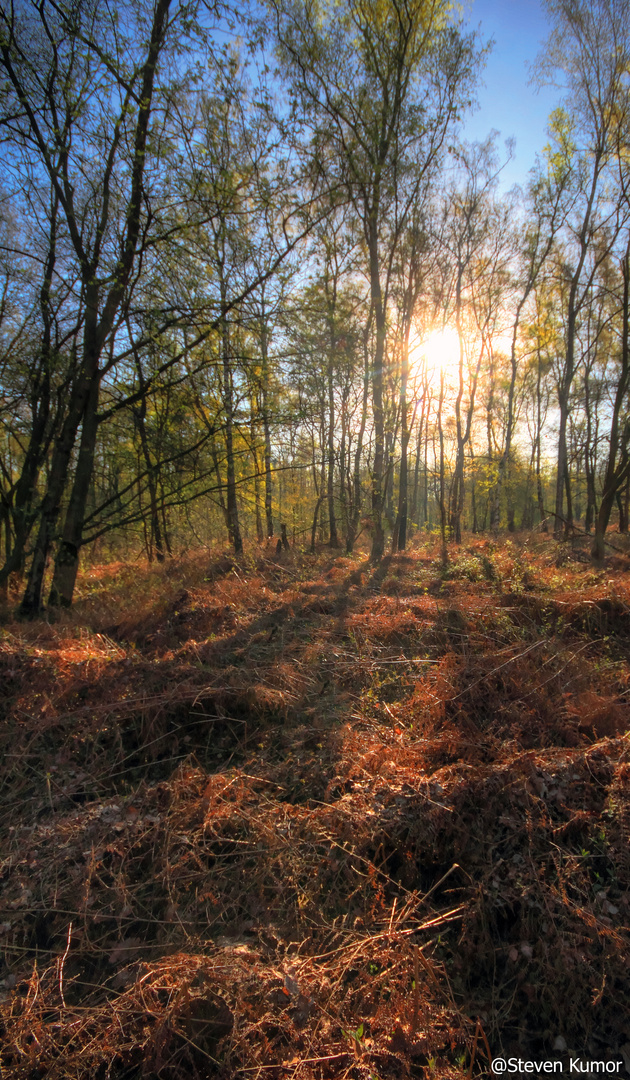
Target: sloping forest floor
294 817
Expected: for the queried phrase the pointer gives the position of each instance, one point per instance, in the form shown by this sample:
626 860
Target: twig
61 966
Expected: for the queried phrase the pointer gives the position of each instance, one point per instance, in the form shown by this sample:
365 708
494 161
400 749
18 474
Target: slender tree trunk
331 295
568 524
258 504
591 494
26 487
154 536
25 492
333 539
442 499
539 483
155 530
563 483
527 517
358 453
228 406
405 433
378 533
624 511
388 475
415 508
214 452
344 478
494 493
463 437
323 471
425 490
618 465
5 529
623 520
561 465
318 504
165 528
458 476
266 425
473 493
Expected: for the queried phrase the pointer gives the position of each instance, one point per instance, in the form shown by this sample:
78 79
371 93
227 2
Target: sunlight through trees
262 281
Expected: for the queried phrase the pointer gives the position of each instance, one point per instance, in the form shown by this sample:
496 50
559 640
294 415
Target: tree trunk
266 426
456 502
624 508
234 528
260 532
333 539
67 560
415 508
442 502
405 434
561 466
358 453
598 549
564 390
539 484
51 505
214 453
26 487
618 465
154 537
378 533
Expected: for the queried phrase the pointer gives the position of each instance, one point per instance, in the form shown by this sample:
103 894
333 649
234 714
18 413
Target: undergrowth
297 817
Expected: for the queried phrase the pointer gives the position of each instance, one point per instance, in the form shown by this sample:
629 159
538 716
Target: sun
437 353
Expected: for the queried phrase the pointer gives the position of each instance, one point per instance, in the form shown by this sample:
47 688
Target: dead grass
300 818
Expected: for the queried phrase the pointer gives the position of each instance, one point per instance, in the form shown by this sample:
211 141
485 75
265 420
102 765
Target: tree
74 108
323 340
617 467
81 124
538 235
38 358
414 263
476 242
381 86
589 49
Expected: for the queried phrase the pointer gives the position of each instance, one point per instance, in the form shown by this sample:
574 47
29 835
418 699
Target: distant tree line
251 275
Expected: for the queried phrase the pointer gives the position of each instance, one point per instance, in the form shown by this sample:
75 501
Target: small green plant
356 1037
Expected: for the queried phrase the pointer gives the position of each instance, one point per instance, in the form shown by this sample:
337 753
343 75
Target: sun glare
437 352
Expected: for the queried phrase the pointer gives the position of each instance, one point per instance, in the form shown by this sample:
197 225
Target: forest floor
294 817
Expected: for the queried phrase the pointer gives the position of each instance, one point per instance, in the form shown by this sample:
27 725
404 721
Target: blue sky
508 102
